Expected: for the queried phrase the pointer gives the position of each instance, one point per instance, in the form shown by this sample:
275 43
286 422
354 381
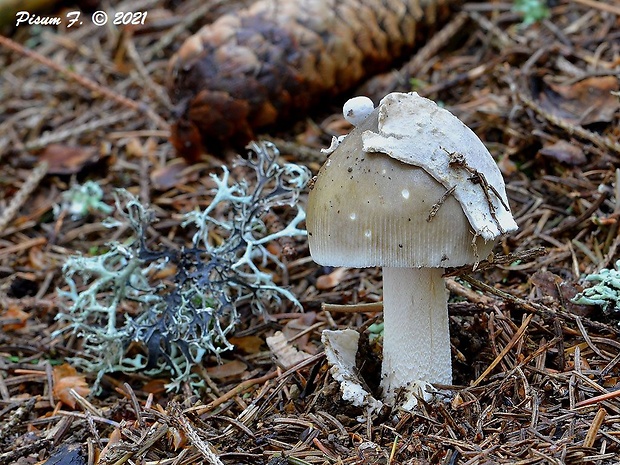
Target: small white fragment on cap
334 145
357 109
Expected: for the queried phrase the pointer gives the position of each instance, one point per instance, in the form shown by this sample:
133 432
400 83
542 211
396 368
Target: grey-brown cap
372 209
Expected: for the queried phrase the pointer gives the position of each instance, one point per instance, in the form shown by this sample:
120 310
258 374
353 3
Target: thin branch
85 82
23 194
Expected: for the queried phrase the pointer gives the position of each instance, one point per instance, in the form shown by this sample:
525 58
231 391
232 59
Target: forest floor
536 376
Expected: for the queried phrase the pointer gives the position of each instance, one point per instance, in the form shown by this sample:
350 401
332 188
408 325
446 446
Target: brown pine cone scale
273 61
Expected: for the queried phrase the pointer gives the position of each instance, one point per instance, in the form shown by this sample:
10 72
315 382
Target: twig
475 297
583 217
149 440
597 399
4 390
16 417
49 375
458 160
615 243
586 338
95 436
238 389
134 403
12 457
319 445
606 7
199 443
22 195
85 404
612 363
83 416
540 351
505 350
436 43
8 251
594 428
497 260
301 153
537 308
59 430
157 90
184 25
353 308
600 141
435 208
485 24
85 82
62 134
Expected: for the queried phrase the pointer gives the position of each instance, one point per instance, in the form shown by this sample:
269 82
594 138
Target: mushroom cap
416 131
369 208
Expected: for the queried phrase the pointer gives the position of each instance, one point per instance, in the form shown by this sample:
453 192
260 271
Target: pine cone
273 61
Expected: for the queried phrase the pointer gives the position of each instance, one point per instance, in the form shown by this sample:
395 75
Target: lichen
82 199
606 293
533 11
129 320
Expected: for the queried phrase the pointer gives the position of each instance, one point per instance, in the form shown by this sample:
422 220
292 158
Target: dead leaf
36 258
176 438
156 386
13 318
329 281
507 166
247 344
170 175
66 378
584 102
136 149
293 327
564 152
550 284
115 438
67 159
287 355
227 370
546 283
336 125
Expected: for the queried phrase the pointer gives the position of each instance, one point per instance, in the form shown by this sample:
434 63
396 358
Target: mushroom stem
416 341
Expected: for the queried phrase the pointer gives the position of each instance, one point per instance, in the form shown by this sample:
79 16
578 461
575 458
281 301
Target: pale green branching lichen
532 11
82 199
114 301
606 293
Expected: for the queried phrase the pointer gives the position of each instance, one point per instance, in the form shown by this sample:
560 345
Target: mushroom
413 190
